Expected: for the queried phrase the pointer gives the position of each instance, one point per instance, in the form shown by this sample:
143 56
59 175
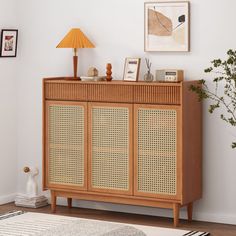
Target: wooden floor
214 229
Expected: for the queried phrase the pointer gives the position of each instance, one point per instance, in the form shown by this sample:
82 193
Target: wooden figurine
109 72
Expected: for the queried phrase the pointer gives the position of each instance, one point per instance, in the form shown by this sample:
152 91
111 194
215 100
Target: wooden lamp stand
75 63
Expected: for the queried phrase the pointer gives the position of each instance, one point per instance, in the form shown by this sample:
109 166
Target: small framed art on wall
8 46
167 26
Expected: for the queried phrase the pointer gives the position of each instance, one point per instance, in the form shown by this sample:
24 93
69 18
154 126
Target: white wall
8 79
116 27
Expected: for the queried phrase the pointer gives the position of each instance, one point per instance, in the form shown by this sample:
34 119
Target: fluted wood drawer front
157 94
110 93
66 91
66 144
110 154
145 93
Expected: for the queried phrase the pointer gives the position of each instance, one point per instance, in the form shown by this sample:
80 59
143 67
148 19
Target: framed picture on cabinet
131 69
167 26
8 46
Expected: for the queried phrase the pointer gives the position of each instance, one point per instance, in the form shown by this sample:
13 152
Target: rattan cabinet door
66 145
156 151
110 148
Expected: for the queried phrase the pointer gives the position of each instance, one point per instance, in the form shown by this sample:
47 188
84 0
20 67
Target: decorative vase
31 185
109 72
148 77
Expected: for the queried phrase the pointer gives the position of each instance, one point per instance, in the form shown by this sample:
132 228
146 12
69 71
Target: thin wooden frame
46 170
177 196
166 28
131 69
130 161
8 46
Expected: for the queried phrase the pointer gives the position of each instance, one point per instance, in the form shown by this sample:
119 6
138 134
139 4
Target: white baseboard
216 218
7 198
199 216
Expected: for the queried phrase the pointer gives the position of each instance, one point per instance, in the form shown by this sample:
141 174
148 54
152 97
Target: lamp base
75 63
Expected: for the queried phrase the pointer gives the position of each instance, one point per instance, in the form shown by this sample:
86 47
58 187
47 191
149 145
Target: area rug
19 223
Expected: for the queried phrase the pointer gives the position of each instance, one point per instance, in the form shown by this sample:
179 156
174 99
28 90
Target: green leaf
233 145
230 61
208 70
230 52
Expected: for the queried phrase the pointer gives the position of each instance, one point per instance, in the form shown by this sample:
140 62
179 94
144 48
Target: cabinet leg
190 211
69 202
176 214
53 202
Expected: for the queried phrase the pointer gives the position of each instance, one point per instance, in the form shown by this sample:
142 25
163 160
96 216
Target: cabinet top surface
114 82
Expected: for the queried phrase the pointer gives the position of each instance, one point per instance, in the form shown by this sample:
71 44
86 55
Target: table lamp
75 39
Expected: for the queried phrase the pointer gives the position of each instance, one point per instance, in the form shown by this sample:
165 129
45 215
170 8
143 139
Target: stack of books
32 202
93 78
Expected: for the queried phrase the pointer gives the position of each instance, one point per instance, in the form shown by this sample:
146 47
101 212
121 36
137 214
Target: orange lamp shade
75 39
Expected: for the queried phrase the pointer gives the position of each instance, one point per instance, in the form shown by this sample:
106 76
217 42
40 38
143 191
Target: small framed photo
8 43
131 70
167 27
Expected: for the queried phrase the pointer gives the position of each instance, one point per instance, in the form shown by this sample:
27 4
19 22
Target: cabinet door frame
178 154
102 105
46 158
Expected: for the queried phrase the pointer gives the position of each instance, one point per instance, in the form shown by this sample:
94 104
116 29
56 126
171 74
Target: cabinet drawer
118 92
157 94
65 91
110 93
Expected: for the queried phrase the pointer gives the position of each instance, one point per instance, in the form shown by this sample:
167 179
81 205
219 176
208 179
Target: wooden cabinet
122 142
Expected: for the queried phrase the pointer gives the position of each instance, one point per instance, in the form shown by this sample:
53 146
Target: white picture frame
167 26
131 69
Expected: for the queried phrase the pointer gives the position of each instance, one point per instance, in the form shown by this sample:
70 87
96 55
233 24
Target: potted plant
223 93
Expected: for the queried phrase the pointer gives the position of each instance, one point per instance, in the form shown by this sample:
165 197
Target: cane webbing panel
157 151
110 148
66 144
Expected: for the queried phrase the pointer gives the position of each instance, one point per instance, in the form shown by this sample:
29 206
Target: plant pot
148 77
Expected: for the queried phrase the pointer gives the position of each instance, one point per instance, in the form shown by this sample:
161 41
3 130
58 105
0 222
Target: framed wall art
131 69
8 46
167 26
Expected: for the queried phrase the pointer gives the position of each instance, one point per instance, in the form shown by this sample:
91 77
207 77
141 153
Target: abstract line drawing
167 26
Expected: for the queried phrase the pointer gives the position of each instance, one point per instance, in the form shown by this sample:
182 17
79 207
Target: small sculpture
109 72
31 185
92 71
31 198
